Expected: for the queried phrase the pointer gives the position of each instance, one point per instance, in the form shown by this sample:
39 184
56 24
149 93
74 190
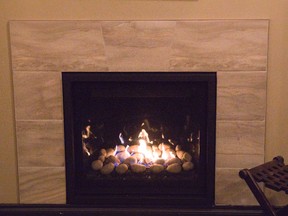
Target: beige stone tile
57 45
147 46
40 143
220 45
240 137
231 189
42 185
241 95
44 160
138 45
238 161
38 95
276 198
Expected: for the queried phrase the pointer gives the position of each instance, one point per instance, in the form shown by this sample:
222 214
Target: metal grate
273 174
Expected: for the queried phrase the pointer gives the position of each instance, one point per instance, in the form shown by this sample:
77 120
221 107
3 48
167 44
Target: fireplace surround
172 114
41 50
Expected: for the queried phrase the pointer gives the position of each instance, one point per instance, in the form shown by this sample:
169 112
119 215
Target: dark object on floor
274 175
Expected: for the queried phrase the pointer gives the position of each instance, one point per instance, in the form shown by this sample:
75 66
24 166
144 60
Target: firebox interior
148 119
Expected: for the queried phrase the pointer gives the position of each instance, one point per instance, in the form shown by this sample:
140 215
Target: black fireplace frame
73 197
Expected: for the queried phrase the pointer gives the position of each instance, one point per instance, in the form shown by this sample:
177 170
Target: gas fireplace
140 139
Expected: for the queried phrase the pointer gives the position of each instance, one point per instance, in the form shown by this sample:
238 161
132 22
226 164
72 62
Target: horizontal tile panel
40 143
138 45
240 137
57 45
42 185
239 161
241 95
231 189
37 95
220 45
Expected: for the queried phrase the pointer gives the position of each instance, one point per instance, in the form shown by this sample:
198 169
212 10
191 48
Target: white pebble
110 152
188 166
120 148
180 154
186 157
174 168
121 169
97 165
107 168
103 152
160 161
113 159
133 148
178 148
102 158
156 168
138 168
122 155
130 160
173 160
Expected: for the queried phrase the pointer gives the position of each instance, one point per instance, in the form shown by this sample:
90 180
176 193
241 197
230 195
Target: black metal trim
74 210
68 80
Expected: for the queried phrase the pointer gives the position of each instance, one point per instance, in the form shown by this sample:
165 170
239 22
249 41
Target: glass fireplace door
140 137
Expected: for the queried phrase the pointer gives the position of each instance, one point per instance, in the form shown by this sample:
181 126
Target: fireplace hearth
140 139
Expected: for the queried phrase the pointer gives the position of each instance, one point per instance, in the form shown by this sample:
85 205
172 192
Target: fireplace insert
140 139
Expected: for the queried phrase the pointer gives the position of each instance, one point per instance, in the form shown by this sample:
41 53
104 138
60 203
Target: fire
142 146
86 135
148 155
140 155
164 153
144 136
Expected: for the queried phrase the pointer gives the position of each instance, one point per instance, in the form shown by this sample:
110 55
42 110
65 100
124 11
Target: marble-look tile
239 161
42 185
241 95
57 45
227 45
231 189
37 95
276 198
40 143
220 45
44 160
240 137
138 45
